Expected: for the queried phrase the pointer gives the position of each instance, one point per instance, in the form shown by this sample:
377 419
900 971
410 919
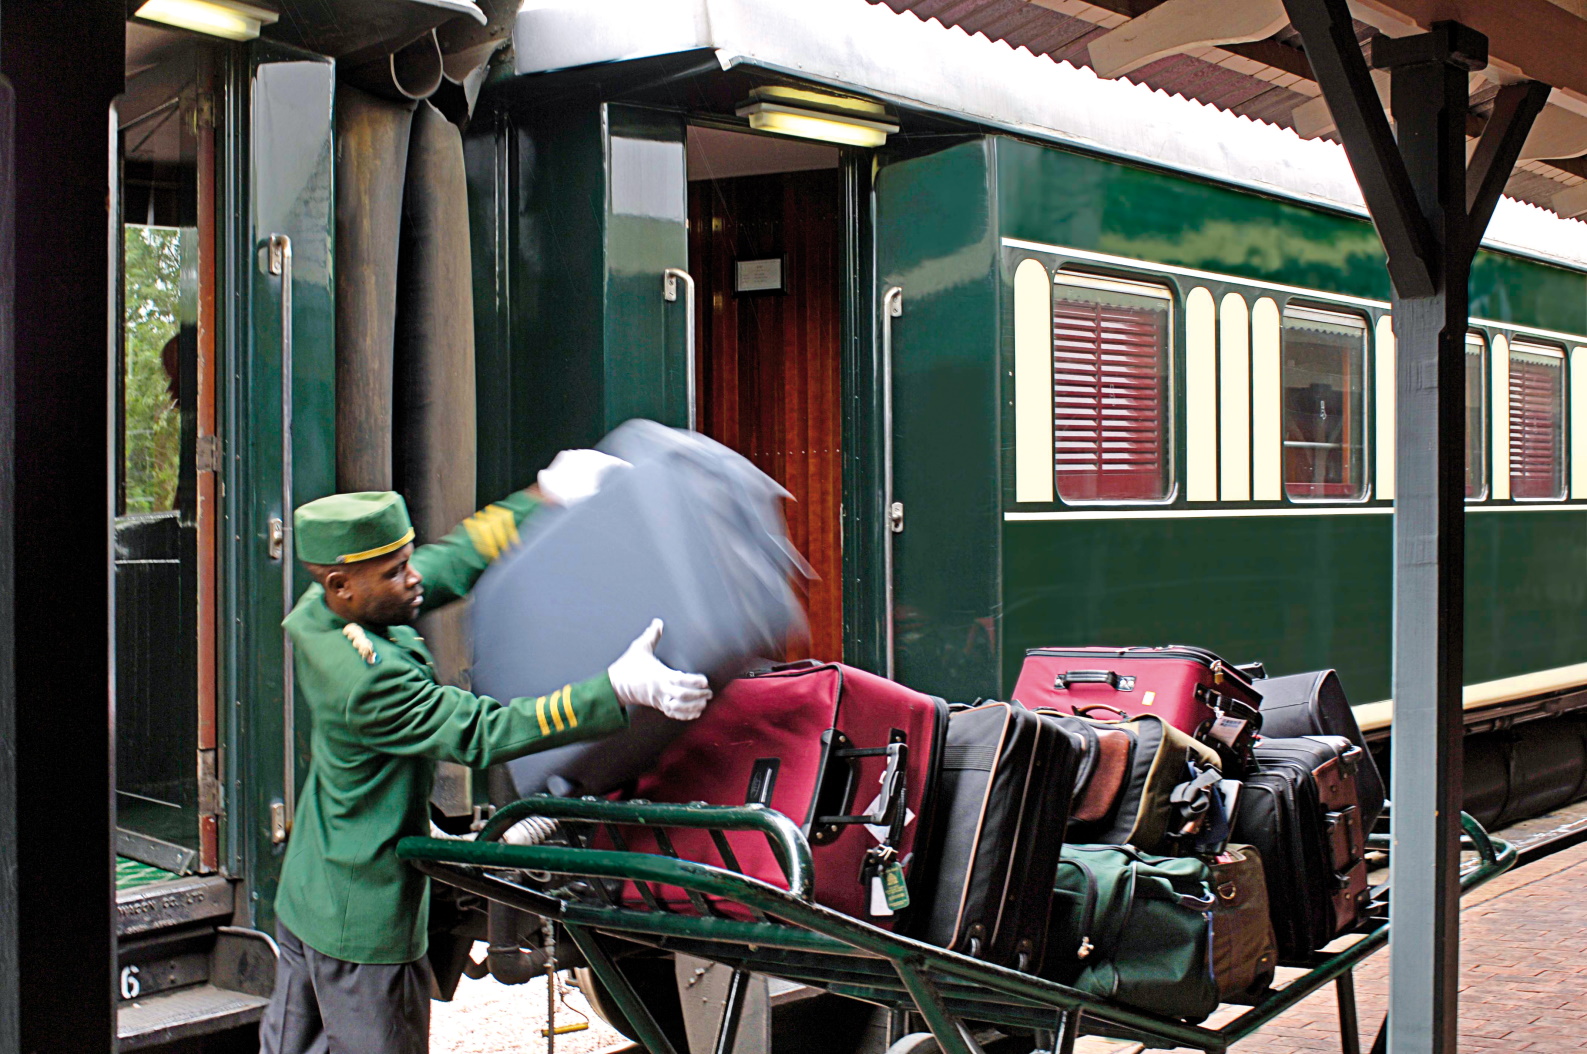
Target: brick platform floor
1523 984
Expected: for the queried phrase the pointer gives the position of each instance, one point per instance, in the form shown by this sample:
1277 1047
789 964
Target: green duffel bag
1175 936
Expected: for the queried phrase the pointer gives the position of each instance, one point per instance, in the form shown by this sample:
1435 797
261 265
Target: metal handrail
782 834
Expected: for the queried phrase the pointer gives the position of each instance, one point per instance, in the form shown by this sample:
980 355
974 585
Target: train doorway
766 251
166 460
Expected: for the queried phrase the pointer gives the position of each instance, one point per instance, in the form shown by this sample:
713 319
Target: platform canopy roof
1243 56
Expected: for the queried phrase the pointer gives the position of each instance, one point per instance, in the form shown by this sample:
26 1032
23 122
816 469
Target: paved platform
1523 984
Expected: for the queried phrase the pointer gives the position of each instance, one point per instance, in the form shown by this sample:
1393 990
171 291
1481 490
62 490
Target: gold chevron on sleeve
567 703
509 526
556 713
540 712
482 535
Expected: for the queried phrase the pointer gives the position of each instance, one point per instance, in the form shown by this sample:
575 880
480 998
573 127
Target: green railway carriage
1044 360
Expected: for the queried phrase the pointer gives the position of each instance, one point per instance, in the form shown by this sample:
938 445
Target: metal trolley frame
789 936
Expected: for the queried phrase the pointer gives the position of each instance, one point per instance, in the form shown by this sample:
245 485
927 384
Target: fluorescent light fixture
816 115
227 19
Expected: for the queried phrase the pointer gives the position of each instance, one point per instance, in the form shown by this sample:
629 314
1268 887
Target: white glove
574 475
641 679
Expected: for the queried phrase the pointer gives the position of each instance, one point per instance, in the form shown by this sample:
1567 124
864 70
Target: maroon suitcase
1184 686
851 757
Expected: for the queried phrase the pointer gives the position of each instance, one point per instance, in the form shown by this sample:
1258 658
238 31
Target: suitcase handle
1084 710
1123 682
892 797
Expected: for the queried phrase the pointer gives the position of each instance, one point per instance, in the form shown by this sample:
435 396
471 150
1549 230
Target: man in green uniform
352 917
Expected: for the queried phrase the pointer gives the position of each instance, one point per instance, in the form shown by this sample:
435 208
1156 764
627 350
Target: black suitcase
1007 779
1301 811
1314 704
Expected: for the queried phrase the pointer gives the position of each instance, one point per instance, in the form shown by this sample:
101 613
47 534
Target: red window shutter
1109 421
1536 430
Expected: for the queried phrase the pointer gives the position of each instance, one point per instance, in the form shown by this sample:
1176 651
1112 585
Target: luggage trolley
752 926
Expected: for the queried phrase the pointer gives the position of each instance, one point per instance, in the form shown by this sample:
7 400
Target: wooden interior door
769 362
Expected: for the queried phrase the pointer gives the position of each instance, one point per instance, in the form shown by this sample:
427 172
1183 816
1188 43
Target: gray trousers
323 1005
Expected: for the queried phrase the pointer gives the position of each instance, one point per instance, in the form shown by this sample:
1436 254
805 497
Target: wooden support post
1430 210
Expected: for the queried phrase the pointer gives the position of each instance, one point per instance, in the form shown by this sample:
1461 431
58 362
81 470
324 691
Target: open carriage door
938 506
282 437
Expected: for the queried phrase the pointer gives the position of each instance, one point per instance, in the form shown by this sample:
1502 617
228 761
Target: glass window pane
1110 389
1324 412
151 421
1537 421
1476 417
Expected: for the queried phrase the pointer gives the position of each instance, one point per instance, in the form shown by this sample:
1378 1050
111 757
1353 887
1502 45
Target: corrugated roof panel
1242 90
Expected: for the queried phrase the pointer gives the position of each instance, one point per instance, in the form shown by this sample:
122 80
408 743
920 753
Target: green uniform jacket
379 727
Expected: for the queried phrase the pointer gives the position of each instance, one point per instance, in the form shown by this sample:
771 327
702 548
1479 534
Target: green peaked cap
347 528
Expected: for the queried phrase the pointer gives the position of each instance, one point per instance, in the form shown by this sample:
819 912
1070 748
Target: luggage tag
889 890
1233 735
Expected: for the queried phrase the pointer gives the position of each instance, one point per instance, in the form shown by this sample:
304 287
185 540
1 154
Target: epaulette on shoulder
360 640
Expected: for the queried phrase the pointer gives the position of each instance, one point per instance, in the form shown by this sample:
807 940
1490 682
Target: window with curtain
1537 421
1476 417
1110 388
1324 370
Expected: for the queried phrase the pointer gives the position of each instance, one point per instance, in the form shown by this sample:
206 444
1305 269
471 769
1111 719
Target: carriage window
1324 413
1110 389
1476 417
1537 421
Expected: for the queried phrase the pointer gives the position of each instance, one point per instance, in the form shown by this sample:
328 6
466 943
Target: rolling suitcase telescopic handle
892 796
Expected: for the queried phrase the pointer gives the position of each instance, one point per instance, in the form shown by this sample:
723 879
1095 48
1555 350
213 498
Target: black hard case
1301 811
1008 776
1314 704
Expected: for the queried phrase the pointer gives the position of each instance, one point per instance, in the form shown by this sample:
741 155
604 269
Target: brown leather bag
1096 800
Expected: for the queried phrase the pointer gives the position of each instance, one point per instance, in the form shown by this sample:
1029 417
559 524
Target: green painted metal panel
1063 198
1298 592
1526 591
576 207
280 163
936 237
537 217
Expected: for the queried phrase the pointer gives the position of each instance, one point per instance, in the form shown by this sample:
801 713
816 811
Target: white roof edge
871 48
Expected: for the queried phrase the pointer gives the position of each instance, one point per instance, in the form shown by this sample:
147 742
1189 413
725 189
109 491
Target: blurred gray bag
692 534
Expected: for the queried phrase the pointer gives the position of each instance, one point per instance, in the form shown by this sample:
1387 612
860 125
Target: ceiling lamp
818 115
228 19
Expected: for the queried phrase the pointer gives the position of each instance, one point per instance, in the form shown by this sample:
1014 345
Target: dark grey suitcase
1314 704
692 533
1300 810
1008 776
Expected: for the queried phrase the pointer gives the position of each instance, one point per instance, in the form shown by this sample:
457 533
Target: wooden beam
1273 53
1328 32
1557 132
1180 25
1536 39
1514 109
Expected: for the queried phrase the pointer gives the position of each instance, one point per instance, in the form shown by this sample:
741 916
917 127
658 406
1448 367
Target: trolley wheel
915 1043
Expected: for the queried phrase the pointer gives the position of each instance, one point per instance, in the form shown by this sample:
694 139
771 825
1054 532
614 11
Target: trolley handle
787 843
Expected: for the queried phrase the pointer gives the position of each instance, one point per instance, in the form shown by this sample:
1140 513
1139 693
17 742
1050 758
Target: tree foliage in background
153 438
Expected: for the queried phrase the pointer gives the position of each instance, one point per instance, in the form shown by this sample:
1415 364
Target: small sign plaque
759 276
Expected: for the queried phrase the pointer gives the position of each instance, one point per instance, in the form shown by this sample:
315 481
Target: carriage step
184 1012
